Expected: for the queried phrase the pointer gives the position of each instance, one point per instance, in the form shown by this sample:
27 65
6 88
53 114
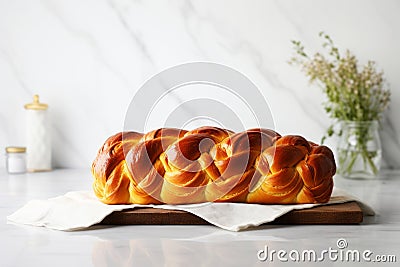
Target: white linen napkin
81 209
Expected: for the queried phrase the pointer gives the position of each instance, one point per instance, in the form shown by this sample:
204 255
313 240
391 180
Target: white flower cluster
353 93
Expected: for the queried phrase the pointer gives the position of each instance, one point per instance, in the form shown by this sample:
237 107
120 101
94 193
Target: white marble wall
87 58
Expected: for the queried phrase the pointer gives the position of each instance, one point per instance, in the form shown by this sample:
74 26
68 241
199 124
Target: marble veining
88 58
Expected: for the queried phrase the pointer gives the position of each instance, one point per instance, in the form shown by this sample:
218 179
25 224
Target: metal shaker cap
15 149
36 105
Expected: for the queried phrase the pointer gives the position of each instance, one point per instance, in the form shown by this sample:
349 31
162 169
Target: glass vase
359 150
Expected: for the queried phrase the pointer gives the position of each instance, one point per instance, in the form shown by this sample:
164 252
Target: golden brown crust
176 166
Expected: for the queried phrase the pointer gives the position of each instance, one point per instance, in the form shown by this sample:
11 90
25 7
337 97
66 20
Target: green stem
371 163
351 164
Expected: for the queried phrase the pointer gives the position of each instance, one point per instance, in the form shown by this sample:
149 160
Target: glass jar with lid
15 159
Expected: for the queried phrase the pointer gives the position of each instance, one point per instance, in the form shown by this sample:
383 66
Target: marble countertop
189 245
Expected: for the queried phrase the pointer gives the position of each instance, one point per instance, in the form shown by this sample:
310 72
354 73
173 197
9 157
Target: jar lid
36 105
15 149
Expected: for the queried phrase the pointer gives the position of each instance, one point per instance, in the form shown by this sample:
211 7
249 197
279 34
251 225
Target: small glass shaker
15 160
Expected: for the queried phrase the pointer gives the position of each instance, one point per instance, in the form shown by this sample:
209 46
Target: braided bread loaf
211 164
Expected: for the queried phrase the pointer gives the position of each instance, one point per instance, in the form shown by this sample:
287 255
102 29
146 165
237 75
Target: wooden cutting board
345 213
